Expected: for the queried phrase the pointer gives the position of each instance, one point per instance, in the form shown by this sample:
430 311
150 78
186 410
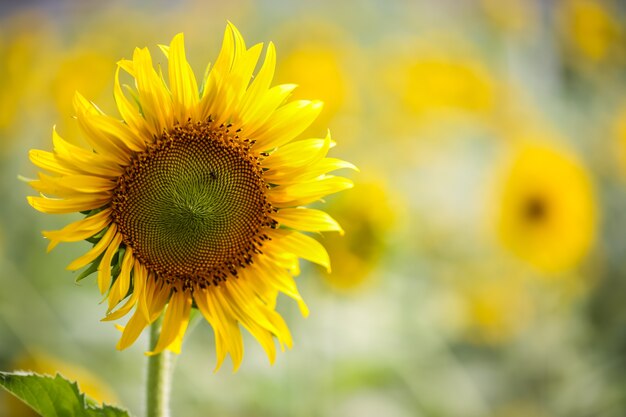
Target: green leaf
54 397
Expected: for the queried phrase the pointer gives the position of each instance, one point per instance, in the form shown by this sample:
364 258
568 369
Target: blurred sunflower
441 81
193 199
433 89
547 209
619 134
326 82
494 308
369 213
70 77
515 17
331 81
592 30
22 37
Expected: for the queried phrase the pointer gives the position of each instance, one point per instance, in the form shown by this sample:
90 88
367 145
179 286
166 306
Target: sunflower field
314 209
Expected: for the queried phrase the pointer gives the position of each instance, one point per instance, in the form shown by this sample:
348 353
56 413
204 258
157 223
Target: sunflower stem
159 377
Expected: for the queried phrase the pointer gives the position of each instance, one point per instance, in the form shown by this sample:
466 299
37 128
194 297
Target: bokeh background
483 268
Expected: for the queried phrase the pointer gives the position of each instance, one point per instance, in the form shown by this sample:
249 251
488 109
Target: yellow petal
106 128
155 100
299 153
228 79
104 269
127 65
308 220
175 323
232 333
245 305
286 123
260 112
155 300
214 85
302 246
301 194
49 162
139 283
97 249
79 230
293 175
282 280
250 322
72 185
256 317
71 205
225 59
122 283
183 83
159 295
128 111
132 330
201 299
84 161
237 82
103 144
260 84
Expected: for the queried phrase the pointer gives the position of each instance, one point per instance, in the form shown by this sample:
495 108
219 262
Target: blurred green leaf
54 397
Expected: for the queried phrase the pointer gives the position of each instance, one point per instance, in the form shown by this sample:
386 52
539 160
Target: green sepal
204 80
91 212
54 396
93 267
135 97
96 238
116 263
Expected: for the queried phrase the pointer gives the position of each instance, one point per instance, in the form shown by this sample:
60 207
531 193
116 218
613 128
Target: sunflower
547 211
194 198
441 81
591 30
435 88
370 211
494 307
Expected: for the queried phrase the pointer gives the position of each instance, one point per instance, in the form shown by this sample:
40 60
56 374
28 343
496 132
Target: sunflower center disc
193 205
536 209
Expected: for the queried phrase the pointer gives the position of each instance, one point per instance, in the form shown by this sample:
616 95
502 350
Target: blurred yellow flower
196 197
592 29
547 209
512 16
494 308
421 87
319 65
42 363
327 81
439 84
441 81
619 132
22 38
368 213
71 76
